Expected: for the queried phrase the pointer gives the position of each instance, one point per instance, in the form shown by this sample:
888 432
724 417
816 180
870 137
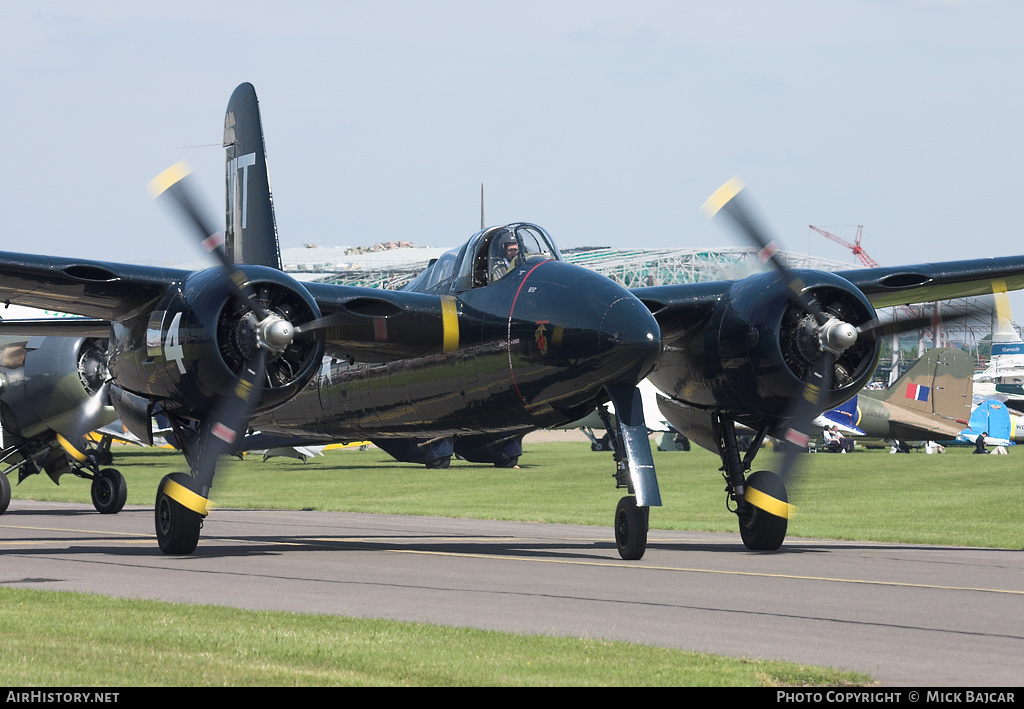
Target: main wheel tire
439 463
109 491
5 493
177 527
631 525
507 462
760 530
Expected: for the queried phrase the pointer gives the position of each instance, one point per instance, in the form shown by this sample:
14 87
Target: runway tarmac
909 615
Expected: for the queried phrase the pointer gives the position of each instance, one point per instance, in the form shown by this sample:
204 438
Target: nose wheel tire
109 491
760 530
631 525
177 527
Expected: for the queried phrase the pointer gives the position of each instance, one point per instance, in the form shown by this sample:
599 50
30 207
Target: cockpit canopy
486 258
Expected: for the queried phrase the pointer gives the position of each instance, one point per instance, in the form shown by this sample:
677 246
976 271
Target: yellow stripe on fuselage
768 503
449 324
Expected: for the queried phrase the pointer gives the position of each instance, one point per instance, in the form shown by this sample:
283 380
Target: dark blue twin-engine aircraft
492 340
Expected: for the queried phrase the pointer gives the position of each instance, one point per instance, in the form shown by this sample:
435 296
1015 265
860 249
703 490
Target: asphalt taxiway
907 614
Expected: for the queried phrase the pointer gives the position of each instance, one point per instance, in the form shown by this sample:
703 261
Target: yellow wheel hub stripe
769 504
449 324
185 497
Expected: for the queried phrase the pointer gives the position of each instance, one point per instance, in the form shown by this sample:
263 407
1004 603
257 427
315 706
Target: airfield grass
70 639
67 639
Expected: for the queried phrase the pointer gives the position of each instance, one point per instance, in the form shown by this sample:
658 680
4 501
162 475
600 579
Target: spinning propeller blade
833 335
173 183
729 200
226 425
222 428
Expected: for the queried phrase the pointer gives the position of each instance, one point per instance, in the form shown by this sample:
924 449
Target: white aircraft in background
669 440
1003 379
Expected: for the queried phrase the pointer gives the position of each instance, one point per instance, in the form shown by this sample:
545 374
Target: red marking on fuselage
508 338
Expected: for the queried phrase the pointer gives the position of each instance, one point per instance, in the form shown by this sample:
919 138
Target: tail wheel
177 527
760 530
109 491
631 525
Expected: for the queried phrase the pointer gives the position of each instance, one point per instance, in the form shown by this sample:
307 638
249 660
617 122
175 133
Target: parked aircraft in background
599 426
1003 379
467 357
995 420
931 401
53 391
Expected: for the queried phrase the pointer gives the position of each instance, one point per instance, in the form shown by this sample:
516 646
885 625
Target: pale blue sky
608 123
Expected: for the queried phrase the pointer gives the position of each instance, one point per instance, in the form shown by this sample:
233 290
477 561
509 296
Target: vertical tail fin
251 233
939 383
992 418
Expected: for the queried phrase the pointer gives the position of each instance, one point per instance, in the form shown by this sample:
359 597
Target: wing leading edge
922 283
367 324
678 307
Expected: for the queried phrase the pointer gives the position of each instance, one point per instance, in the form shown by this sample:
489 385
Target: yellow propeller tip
166 179
722 196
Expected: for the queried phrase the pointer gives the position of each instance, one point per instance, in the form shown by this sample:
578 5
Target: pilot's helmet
504 240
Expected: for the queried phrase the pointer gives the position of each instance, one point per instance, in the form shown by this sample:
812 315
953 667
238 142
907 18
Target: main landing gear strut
748 496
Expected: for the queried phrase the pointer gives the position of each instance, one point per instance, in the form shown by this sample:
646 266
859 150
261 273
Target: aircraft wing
56 327
681 308
904 285
366 324
102 291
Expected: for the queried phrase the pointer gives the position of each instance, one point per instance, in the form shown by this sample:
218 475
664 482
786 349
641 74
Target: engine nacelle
755 347
48 380
187 353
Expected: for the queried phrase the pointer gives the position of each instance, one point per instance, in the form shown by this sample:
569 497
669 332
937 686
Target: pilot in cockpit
504 255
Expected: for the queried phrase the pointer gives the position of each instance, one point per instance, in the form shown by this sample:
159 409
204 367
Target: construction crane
855 247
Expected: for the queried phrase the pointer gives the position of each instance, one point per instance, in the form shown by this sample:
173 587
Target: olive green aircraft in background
930 402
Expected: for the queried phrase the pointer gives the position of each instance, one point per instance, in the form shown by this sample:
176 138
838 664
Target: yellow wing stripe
722 196
185 497
166 179
768 503
449 324
71 450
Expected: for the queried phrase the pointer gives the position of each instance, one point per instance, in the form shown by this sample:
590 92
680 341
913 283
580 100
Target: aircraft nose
573 332
628 340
